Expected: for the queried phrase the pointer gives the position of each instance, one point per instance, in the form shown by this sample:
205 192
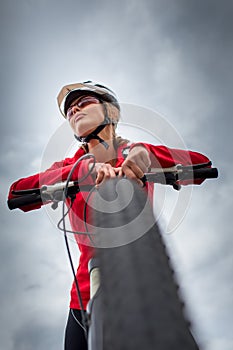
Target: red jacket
160 156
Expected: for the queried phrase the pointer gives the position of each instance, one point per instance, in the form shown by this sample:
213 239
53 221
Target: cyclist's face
85 114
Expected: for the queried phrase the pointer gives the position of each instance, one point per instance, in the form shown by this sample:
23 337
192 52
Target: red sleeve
162 156
58 172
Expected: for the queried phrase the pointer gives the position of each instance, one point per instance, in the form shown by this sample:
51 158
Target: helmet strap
94 134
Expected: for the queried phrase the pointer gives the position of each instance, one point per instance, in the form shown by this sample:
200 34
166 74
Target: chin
84 132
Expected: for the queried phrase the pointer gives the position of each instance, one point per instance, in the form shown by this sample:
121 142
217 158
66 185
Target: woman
93 112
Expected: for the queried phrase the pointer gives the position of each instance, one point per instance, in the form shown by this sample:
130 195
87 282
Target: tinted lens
86 100
81 103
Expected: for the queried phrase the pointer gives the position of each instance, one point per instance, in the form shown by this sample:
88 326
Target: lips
78 116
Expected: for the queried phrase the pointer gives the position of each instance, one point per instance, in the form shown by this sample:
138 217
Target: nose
72 110
75 108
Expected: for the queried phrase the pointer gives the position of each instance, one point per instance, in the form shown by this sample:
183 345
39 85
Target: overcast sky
170 56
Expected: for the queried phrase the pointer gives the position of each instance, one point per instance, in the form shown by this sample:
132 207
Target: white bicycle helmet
72 91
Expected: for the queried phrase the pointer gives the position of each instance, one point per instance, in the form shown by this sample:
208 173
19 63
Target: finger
101 173
146 160
143 161
141 164
133 167
141 157
111 172
130 174
99 177
120 173
105 172
117 170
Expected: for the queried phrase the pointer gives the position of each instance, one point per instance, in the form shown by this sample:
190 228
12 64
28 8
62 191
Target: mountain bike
135 301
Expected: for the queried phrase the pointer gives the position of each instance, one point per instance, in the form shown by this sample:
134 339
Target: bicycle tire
141 305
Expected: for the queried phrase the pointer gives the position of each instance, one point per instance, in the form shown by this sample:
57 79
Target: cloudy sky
170 56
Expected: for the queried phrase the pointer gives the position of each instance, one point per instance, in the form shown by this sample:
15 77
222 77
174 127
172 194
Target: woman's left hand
136 164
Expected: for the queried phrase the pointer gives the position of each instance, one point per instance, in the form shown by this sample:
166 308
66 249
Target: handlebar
55 193
179 174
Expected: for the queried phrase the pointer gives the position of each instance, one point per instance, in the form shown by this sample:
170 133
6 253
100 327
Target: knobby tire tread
142 308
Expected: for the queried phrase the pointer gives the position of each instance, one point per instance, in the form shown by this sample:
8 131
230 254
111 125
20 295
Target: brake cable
64 214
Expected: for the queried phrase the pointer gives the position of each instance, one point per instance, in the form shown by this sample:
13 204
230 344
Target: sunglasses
82 102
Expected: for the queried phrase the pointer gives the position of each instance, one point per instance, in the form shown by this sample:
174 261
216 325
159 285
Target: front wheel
141 305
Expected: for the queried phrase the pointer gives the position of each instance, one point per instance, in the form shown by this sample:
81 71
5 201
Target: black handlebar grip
21 201
206 173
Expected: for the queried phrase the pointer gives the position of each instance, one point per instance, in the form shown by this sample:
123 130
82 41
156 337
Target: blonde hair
114 115
113 112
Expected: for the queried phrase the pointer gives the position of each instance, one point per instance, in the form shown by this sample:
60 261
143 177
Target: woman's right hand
105 171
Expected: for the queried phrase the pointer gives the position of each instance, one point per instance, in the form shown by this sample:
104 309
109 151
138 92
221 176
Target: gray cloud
172 56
